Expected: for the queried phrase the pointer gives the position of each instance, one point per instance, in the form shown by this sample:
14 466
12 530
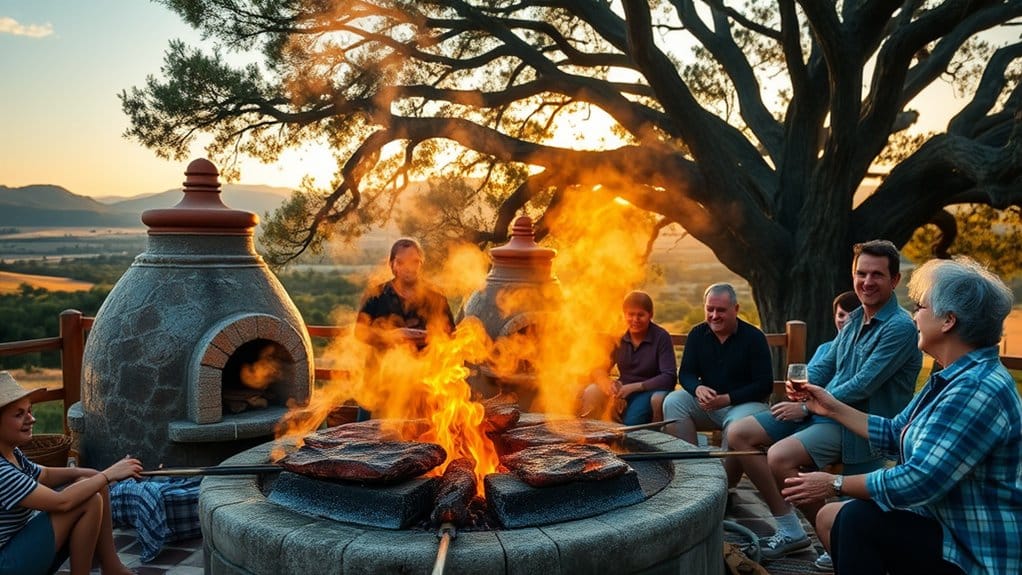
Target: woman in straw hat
36 520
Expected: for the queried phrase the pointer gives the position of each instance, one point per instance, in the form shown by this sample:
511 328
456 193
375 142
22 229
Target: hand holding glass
798 375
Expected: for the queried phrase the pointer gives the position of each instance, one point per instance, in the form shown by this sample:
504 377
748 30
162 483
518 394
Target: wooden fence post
72 348
796 349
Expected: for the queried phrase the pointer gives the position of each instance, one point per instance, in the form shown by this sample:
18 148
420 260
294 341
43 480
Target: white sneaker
778 545
824 563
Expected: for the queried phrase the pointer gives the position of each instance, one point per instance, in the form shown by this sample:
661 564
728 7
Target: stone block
517 504
391 552
384 506
317 548
214 357
476 552
223 342
577 552
205 404
529 551
252 535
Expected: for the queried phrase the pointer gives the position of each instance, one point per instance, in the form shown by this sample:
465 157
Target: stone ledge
255 423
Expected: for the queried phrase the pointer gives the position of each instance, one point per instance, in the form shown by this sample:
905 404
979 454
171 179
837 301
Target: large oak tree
751 125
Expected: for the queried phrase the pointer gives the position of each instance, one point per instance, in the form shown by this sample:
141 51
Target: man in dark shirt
405 308
401 311
644 357
725 372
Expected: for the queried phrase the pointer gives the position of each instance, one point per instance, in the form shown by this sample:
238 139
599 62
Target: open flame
596 266
411 384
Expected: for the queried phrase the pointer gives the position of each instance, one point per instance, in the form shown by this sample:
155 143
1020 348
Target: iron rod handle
657 455
214 470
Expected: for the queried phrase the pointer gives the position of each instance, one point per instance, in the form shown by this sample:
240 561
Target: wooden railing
74 326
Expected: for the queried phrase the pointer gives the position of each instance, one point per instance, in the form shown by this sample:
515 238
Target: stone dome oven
198 351
520 293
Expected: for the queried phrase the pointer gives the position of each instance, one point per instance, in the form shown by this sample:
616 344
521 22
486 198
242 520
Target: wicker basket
49 449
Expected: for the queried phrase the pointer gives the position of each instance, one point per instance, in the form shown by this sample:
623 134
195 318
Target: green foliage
985 234
318 295
103 270
34 313
49 417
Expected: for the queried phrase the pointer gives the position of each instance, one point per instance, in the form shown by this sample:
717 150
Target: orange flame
600 246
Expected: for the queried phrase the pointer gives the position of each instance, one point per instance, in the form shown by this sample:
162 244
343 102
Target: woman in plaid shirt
953 502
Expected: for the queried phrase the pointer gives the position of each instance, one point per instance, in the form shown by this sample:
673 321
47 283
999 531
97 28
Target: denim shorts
683 404
32 551
820 436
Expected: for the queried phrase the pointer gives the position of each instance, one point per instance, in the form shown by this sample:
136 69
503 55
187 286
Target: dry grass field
11 282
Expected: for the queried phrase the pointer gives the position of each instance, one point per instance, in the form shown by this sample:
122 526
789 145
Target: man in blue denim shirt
872 365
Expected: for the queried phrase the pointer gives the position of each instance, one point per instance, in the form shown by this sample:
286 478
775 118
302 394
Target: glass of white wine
798 375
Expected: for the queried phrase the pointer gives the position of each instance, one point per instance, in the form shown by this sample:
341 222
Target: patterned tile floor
745 508
177 558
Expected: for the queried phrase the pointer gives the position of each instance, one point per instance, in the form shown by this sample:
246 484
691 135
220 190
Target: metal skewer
214 470
654 425
674 455
446 534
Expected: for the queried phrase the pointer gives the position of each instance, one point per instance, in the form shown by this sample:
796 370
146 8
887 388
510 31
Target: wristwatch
839 480
805 410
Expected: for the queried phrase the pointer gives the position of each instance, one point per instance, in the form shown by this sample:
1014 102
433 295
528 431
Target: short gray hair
978 298
720 288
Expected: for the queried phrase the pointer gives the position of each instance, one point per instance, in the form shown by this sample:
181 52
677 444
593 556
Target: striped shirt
960 441
15 484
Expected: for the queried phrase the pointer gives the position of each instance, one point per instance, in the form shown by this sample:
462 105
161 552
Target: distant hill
49 205
252 198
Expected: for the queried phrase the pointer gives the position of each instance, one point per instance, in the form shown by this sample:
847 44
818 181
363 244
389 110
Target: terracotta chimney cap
200 211
522 244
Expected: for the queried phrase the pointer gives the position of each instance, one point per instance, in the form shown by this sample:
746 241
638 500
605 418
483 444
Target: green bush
49 417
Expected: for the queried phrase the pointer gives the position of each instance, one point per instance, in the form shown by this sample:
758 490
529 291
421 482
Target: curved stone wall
676 530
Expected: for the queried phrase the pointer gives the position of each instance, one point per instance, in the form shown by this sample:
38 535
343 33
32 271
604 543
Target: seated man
871 365
407 306
725 373
401 311
645 361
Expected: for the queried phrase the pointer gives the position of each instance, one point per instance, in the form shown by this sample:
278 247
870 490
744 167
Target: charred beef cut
547 465
501 412
371 430
554 432
366 461
457 488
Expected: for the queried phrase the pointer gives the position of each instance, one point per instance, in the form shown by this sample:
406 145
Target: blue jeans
638 409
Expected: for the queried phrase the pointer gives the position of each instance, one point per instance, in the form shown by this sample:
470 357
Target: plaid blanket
161 509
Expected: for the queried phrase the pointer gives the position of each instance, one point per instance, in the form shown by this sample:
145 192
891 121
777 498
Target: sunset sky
63 64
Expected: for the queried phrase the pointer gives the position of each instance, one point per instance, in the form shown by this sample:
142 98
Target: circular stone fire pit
675 530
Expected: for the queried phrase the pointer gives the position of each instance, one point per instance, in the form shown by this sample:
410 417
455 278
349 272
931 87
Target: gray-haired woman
953 501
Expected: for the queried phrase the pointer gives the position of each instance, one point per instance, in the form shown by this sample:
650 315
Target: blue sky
62 121
63 63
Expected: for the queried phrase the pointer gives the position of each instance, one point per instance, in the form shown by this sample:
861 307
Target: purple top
652 361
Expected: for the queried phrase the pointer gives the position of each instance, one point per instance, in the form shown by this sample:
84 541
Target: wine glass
798 375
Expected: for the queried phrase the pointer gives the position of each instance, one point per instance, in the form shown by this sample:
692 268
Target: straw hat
11 390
